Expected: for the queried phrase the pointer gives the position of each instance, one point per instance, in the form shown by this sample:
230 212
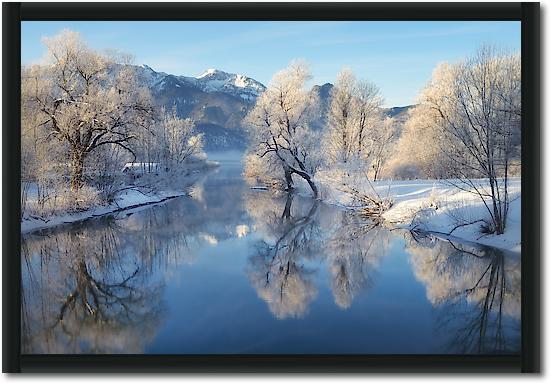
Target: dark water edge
233 270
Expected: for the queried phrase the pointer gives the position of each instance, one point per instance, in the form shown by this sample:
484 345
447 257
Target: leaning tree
279 125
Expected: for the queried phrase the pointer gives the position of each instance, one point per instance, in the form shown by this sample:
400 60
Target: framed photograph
271 187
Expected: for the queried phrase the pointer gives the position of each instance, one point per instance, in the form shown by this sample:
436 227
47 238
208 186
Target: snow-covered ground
437 206
130 199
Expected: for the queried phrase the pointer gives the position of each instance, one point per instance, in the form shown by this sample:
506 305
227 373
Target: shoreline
30 226
129 200
432 206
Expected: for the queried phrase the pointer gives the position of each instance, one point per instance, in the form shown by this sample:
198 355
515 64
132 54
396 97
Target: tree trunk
288 179
376 170
310 182
77 170
312 186
288 206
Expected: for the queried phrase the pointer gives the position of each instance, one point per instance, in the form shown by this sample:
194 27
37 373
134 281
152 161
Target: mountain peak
210 81
210 72
147 67
215 80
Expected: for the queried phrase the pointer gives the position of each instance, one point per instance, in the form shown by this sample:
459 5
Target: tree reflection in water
98 286
477 292
294 235
354 250
277 270
94 288
87 295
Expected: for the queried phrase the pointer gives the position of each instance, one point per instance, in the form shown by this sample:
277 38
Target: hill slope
218 101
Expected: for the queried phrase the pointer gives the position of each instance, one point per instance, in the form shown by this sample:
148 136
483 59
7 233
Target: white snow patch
437 206
208 72
240 81
242 230
127 200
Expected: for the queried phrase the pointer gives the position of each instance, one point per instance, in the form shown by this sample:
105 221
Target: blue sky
397 56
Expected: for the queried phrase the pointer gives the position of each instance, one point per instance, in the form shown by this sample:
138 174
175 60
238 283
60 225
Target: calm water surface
235 270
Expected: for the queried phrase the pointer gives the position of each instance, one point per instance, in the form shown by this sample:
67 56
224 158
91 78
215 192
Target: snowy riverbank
126 200
436 206
131 199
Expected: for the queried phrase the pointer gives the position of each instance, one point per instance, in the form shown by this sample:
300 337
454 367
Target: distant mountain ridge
212 80
398 112
218 101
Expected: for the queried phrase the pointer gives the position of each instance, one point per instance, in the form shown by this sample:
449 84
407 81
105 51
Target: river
231 270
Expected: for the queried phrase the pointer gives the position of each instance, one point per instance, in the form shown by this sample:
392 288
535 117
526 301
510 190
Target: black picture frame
527 361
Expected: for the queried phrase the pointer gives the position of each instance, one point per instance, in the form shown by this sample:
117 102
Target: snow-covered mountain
211 81
214 80
218 101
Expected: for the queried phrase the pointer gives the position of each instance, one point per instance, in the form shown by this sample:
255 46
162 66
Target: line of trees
283 143
86 113
466 129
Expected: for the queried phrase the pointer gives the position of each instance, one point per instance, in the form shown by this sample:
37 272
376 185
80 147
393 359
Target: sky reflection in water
234 270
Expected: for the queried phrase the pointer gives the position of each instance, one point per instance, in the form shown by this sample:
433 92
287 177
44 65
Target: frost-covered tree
177 139
368 102
279 125
84 100
382 137
353 115
477 105
417 153
342 117
38 164
355 143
